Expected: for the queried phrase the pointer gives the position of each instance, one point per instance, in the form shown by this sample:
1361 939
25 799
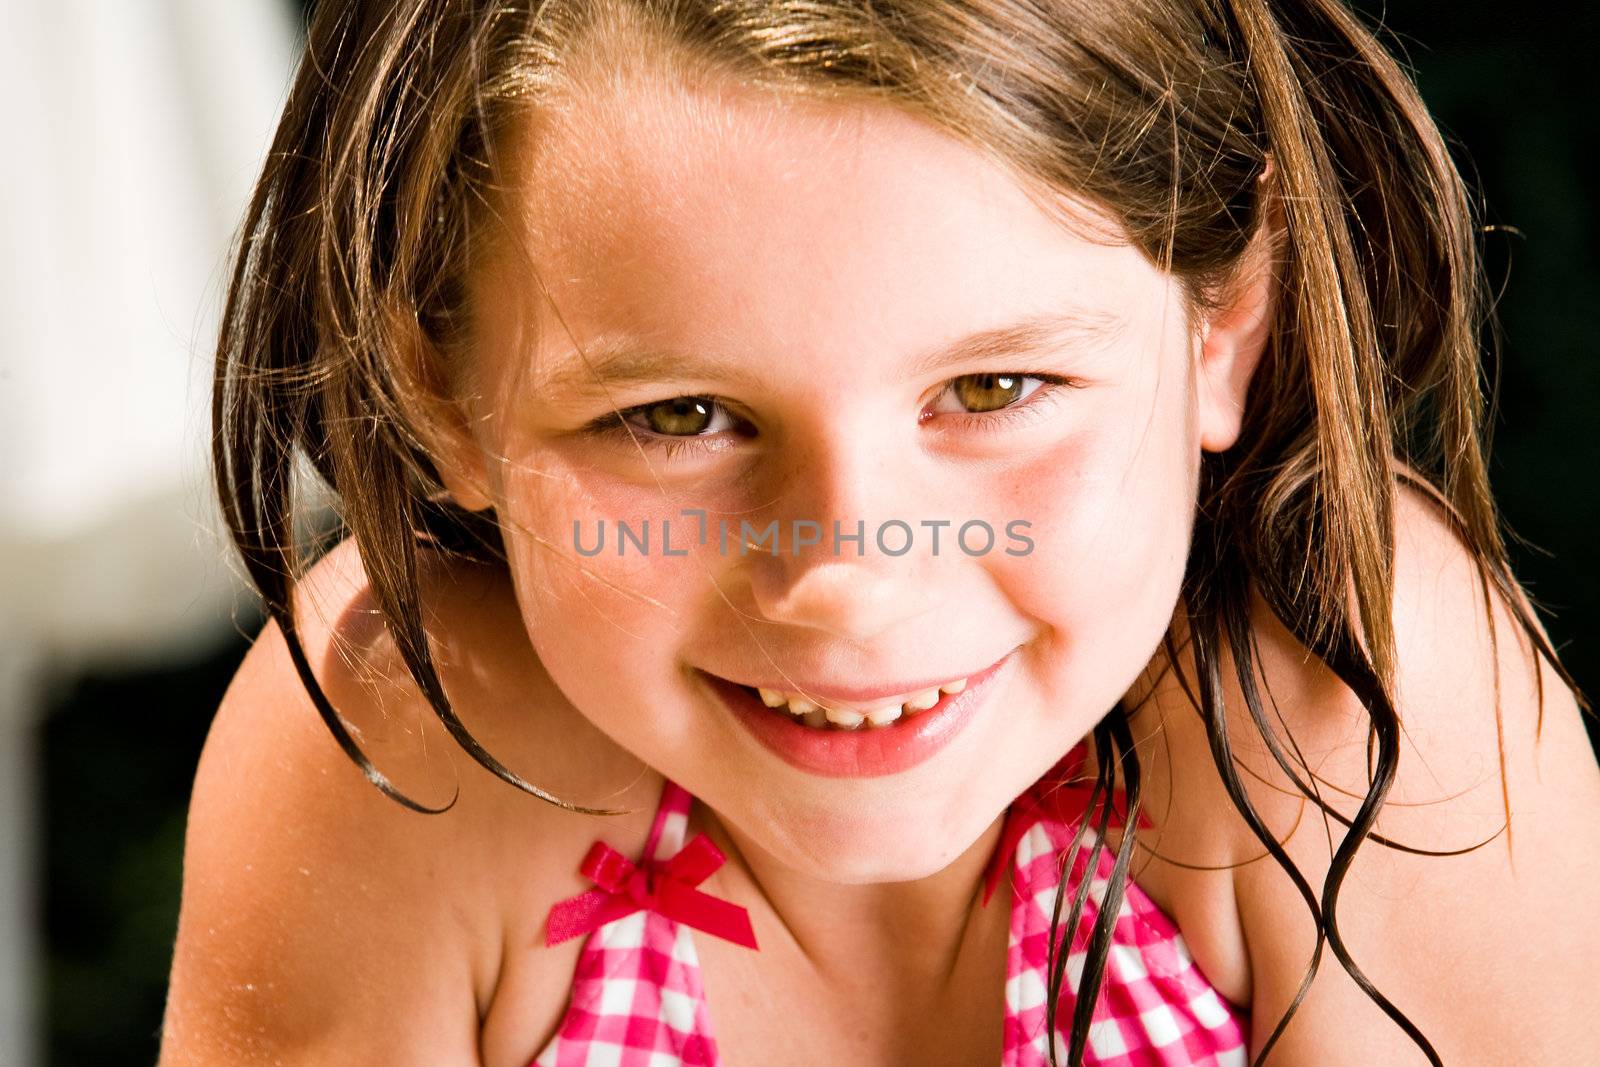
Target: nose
852 589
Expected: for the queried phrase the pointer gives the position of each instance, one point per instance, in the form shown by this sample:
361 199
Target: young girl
968 519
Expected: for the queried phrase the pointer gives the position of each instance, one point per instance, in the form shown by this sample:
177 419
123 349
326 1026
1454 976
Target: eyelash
611 425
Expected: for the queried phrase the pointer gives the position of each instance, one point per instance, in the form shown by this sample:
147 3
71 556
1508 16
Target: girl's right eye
674 425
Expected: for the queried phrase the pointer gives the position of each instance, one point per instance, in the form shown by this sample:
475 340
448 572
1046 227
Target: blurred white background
132 131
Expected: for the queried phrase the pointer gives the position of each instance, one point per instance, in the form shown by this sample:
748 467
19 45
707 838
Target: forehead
725 215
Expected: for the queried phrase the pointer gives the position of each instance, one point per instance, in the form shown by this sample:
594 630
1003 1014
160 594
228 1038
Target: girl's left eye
999 396
985 402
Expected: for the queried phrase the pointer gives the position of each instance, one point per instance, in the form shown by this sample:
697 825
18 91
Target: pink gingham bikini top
637 998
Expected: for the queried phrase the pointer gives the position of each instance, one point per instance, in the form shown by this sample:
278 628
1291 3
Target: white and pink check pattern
637 999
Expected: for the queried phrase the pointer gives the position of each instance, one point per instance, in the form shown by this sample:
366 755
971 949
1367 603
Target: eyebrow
626 360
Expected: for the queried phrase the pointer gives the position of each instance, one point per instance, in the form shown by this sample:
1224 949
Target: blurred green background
1513 86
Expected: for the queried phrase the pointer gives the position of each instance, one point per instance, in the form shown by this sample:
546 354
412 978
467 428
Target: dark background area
1513 87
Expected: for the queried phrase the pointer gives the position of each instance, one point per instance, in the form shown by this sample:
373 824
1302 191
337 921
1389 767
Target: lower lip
867 751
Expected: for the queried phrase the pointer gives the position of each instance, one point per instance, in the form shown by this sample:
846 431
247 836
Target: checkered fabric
1154 1007
637 999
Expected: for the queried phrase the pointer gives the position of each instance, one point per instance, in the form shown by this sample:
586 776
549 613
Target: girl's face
813 269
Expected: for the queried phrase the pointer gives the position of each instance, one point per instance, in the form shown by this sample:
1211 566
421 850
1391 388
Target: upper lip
862 694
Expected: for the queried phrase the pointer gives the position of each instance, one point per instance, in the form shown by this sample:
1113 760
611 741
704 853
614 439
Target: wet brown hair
1164 113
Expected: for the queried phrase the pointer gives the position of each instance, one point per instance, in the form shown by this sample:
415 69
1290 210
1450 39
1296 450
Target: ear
462 470
438 417
1234 335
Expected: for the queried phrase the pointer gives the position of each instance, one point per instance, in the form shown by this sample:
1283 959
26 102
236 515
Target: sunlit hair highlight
379 191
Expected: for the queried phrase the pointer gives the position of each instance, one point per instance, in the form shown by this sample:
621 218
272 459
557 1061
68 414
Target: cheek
603 624
1111 513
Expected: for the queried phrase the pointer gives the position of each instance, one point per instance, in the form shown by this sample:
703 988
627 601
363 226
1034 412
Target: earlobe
1234 335
456 455
439 422
462 477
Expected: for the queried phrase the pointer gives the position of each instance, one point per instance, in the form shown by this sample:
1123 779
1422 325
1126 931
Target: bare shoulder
1440 936
323 922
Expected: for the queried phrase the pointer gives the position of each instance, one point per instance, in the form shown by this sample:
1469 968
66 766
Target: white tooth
799 705
844 717
954 687
883 716
771 698
816 718
923 701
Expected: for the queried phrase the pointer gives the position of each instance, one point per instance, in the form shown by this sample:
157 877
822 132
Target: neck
929 932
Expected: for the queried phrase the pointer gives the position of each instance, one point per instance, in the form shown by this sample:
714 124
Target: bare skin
718 225
322 923
502 859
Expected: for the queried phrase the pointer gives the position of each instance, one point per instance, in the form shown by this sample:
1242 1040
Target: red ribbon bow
669 890
1056 795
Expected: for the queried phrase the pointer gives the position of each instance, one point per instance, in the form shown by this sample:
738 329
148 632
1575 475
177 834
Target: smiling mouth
882 715
905 730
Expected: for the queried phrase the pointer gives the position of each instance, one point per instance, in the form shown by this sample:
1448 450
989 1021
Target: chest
779 1005
773 1006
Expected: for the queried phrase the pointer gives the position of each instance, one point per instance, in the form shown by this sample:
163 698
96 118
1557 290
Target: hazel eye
981 393
677 426
996 402
682 416
990 393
